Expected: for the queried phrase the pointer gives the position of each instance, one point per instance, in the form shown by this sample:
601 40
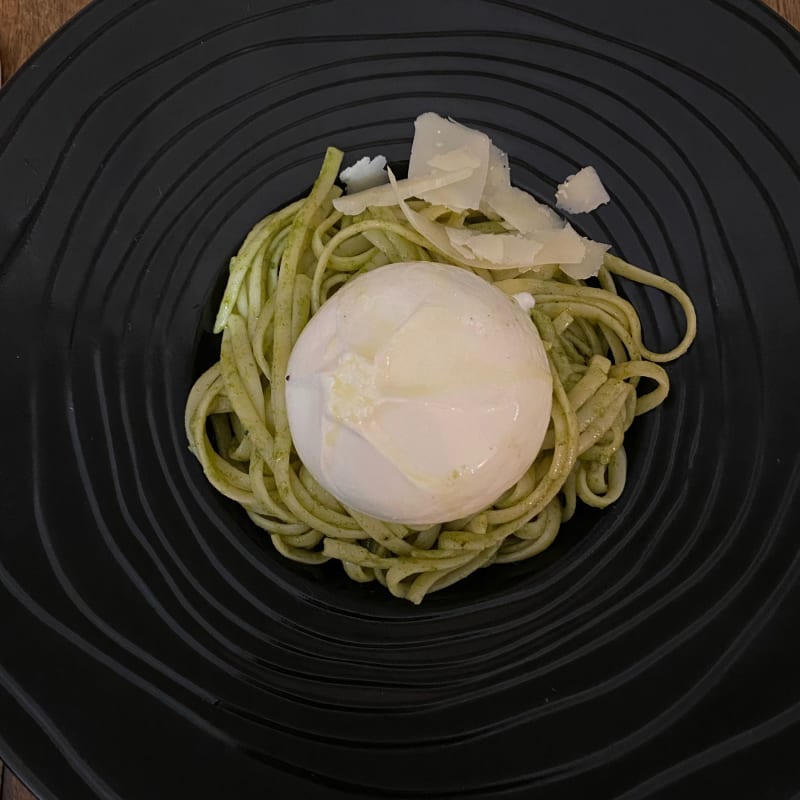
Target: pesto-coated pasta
236 418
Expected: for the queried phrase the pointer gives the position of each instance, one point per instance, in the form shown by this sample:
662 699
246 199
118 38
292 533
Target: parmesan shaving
502 249
590 265
365 174
513 205
460 158
498 175
385 195
522 211
561 246
447 142
582 192
435 233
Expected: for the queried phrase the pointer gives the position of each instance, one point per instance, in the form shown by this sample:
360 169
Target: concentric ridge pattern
647 653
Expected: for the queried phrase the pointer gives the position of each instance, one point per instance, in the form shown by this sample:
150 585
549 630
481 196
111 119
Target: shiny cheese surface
418 393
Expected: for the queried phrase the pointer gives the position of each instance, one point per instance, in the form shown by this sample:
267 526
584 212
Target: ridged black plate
155 645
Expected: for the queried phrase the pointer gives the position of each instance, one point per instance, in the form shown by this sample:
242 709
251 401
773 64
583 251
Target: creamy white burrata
418 393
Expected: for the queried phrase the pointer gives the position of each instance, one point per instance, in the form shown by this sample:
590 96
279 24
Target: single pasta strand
622 268
282 325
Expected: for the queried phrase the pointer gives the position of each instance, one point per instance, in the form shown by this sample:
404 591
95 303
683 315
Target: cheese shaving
590 265
446 142
365 174
582 192
385 195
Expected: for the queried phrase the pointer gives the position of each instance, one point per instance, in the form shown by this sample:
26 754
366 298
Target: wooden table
24 25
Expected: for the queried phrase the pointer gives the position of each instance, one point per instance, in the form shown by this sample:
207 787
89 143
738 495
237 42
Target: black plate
154 644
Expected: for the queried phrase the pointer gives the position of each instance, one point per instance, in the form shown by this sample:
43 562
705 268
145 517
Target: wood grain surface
789 9
24 26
